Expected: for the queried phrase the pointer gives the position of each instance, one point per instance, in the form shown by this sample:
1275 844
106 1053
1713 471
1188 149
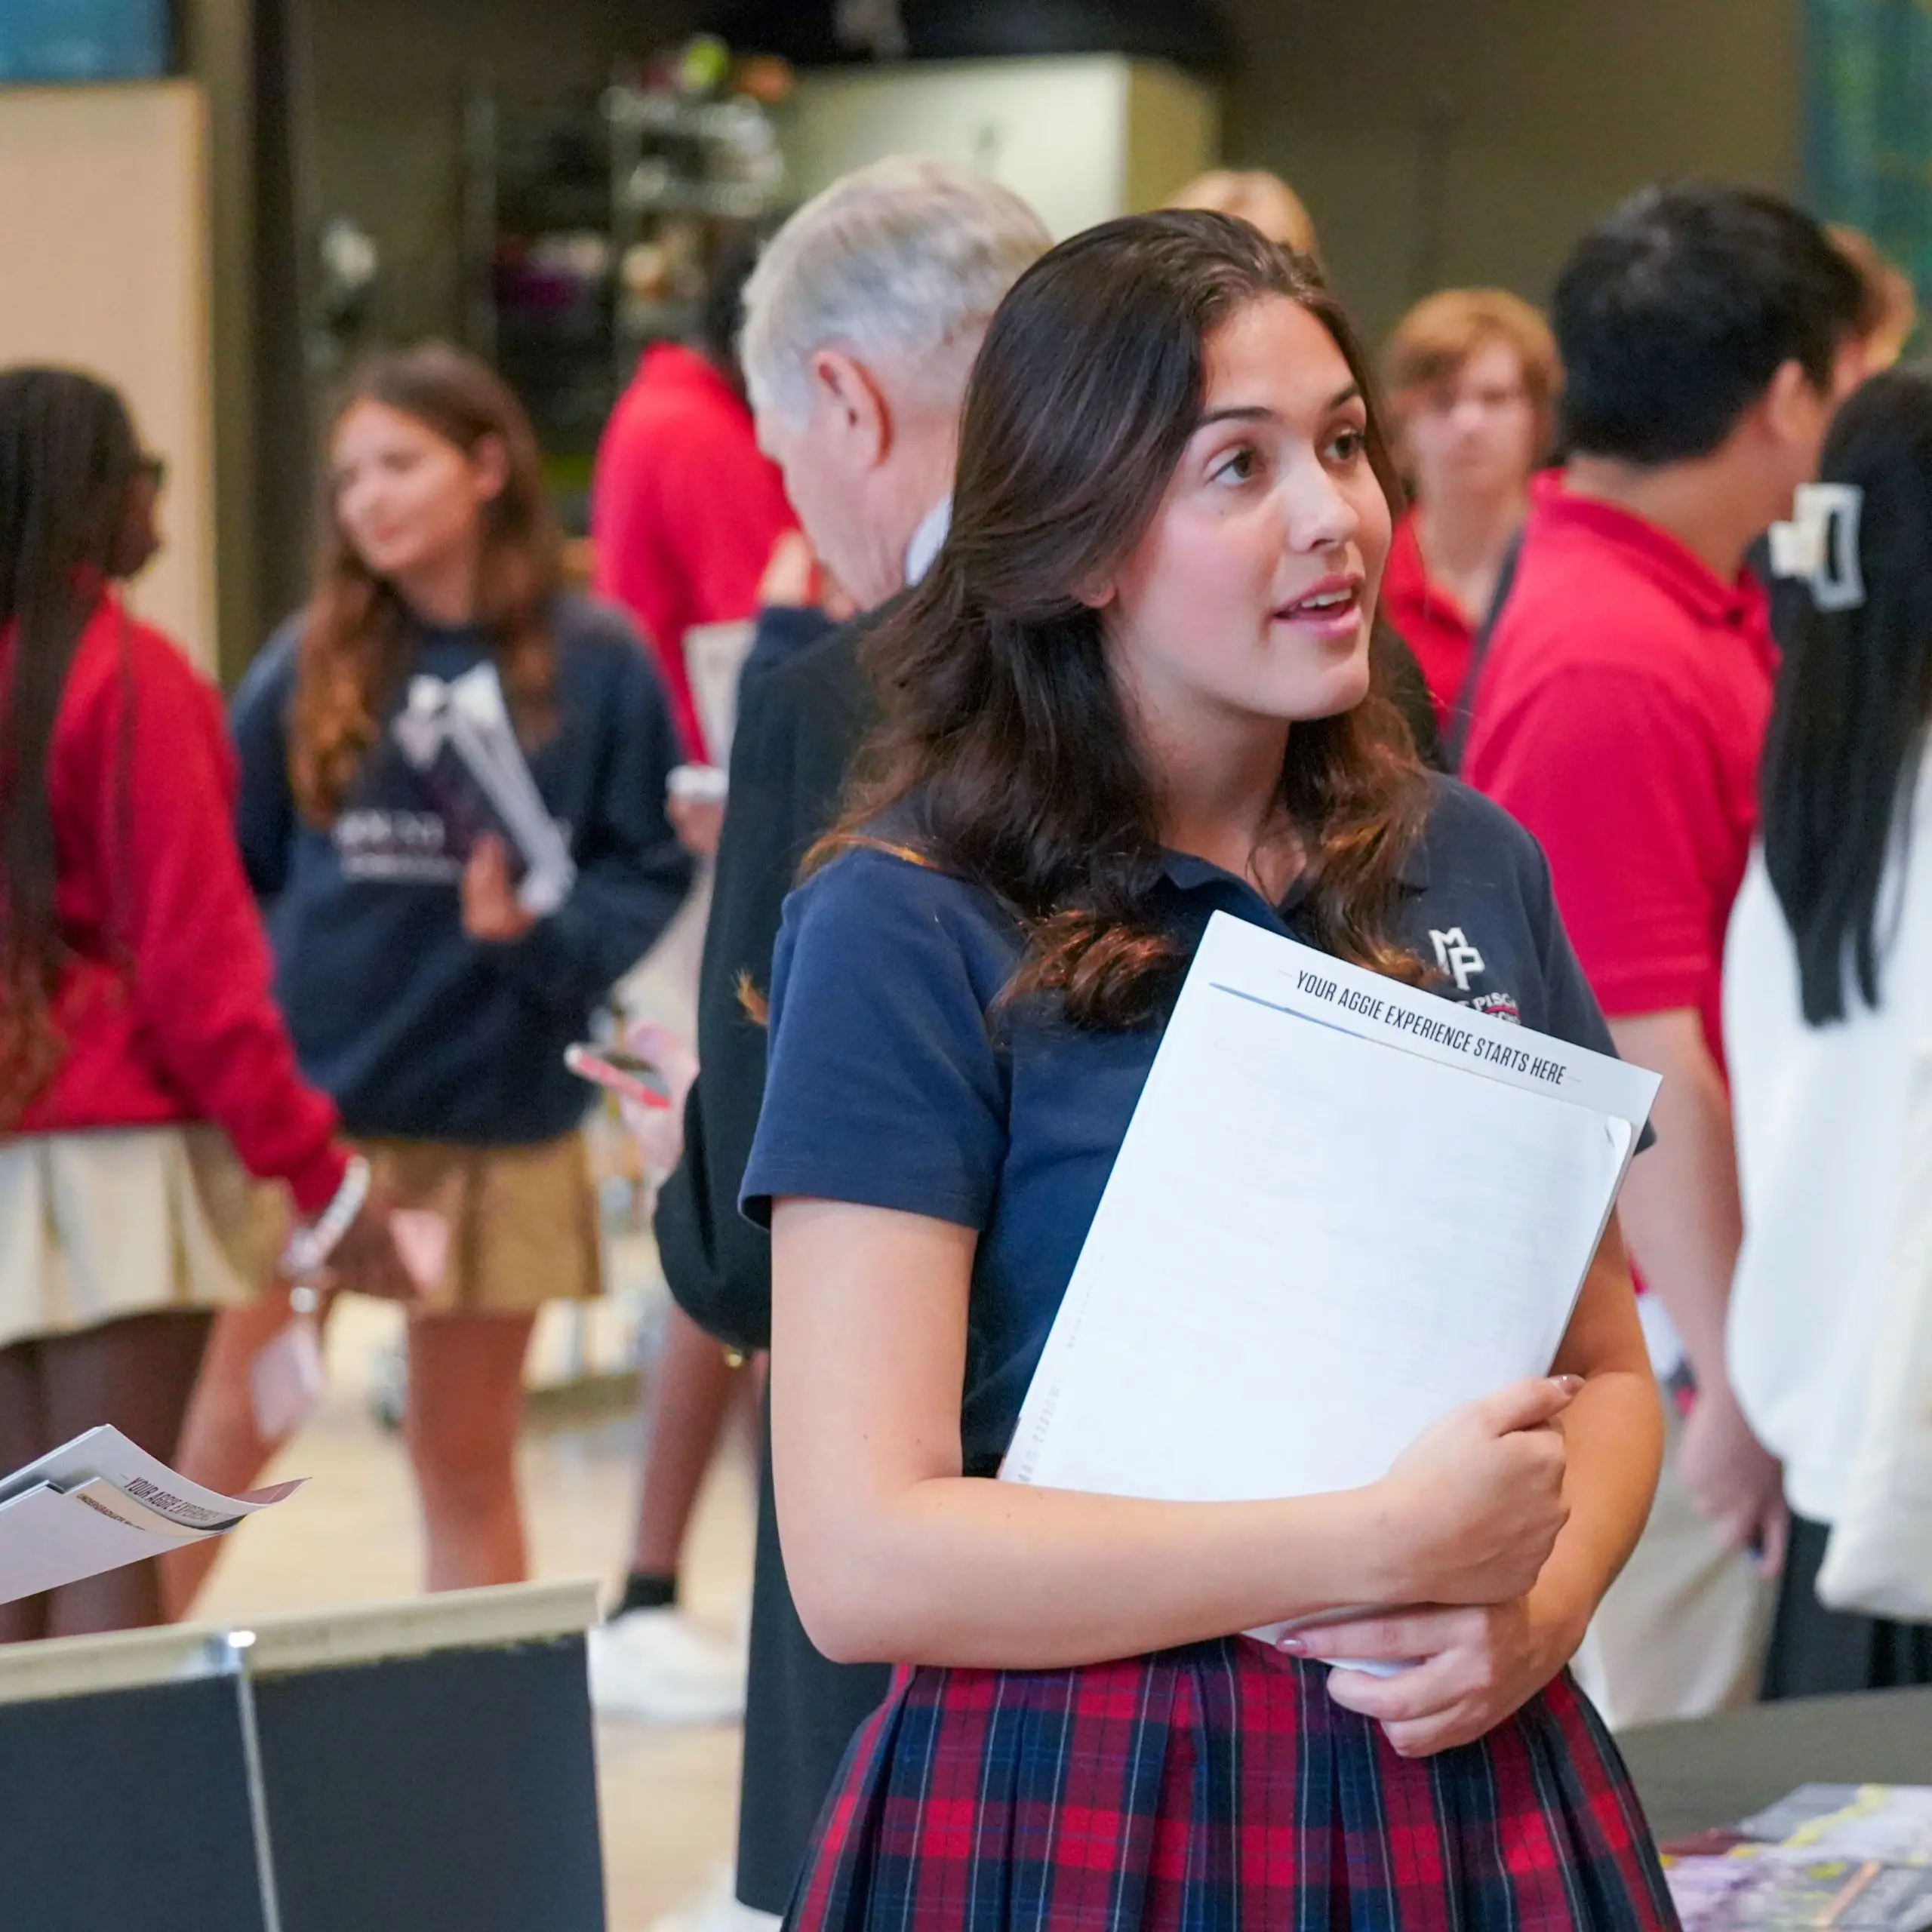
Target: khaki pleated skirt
94 1226
97 1226
523 1226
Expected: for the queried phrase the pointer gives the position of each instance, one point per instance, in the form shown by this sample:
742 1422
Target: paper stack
457 737
1342 1207
99 1501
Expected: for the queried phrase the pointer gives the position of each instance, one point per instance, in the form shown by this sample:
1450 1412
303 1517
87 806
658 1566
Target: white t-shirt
1820 1119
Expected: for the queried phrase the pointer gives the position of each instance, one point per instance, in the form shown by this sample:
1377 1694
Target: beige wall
103 230
1448 141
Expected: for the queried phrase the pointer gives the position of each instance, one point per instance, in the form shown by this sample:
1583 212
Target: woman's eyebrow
1255 412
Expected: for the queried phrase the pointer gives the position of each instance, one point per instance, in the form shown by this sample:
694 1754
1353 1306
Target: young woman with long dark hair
421 992
1134 690
1828 1016
144 1072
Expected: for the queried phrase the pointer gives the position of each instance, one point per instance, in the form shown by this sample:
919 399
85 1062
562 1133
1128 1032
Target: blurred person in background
687 517
1256 196
1888 312
145 1074
1827 1018
1706 332
1473 375
684 508
861 323
419 991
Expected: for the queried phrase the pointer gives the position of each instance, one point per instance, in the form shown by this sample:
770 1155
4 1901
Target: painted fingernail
1295 1647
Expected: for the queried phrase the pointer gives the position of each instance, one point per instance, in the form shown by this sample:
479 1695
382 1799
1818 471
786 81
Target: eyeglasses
152 470
1491 402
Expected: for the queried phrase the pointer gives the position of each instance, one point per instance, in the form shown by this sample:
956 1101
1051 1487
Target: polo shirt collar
1189 873
1657 554
928 539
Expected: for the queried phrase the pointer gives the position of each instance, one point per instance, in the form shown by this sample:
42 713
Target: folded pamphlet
456 735
99 1501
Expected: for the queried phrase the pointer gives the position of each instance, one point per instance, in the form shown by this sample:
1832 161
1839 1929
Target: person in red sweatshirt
145 1073
685 507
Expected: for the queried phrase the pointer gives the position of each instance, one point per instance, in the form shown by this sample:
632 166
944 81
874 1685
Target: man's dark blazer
800 720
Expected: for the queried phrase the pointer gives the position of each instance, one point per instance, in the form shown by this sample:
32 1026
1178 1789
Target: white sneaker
715 1910
658 1664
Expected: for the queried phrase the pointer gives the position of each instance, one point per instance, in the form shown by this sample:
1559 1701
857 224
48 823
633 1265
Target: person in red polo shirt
684 508
1707 333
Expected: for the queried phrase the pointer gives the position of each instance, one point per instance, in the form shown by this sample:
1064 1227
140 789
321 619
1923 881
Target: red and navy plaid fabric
1218 1789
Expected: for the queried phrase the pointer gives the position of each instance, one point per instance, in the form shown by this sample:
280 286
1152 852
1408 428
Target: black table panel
454 1789
128 1808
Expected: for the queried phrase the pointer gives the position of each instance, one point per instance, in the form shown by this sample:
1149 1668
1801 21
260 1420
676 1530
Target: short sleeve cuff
802 1180
1655 986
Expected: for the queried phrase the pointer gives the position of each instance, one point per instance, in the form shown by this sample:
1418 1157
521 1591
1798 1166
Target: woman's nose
1318 515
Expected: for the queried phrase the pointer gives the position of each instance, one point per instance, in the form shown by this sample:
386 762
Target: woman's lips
1332 608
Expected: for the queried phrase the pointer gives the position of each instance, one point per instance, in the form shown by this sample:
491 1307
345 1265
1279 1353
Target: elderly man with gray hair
862 321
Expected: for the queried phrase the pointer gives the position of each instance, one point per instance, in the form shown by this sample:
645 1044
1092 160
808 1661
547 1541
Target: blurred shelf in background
590 227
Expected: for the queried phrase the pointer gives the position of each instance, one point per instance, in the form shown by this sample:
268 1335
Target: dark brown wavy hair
68 463
355 637
1005 743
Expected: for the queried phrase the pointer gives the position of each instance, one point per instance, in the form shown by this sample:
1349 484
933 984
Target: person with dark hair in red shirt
1707 333
140 1052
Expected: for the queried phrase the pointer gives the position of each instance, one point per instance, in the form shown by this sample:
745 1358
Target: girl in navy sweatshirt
430 1003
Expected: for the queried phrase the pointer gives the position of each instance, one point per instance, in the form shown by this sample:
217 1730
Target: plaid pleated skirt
1218 1788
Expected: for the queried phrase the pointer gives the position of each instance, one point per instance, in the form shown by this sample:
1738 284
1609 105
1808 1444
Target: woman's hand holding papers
1474 1506
1477 1504
367 1261
1470 1667
491 911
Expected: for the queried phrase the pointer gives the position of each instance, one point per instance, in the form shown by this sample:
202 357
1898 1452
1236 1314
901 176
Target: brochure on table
1854 1857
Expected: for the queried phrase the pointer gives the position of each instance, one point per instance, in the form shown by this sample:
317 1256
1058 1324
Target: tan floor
669 1794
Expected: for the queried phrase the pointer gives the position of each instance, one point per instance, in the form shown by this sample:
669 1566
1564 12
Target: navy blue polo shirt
888 1084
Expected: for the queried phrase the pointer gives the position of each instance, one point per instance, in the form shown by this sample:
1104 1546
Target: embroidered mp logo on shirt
1456 956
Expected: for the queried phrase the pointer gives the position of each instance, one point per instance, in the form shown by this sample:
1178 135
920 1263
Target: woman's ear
1098 591
489 465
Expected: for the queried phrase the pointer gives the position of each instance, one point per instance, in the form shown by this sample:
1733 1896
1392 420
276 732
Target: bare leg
690 1391
219 1444
24 1434
138 1374
466 1401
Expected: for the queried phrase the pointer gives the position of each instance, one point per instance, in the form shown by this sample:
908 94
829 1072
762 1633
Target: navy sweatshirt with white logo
416 1029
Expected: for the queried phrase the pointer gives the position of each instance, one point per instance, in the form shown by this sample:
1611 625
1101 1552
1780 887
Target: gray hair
903 262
